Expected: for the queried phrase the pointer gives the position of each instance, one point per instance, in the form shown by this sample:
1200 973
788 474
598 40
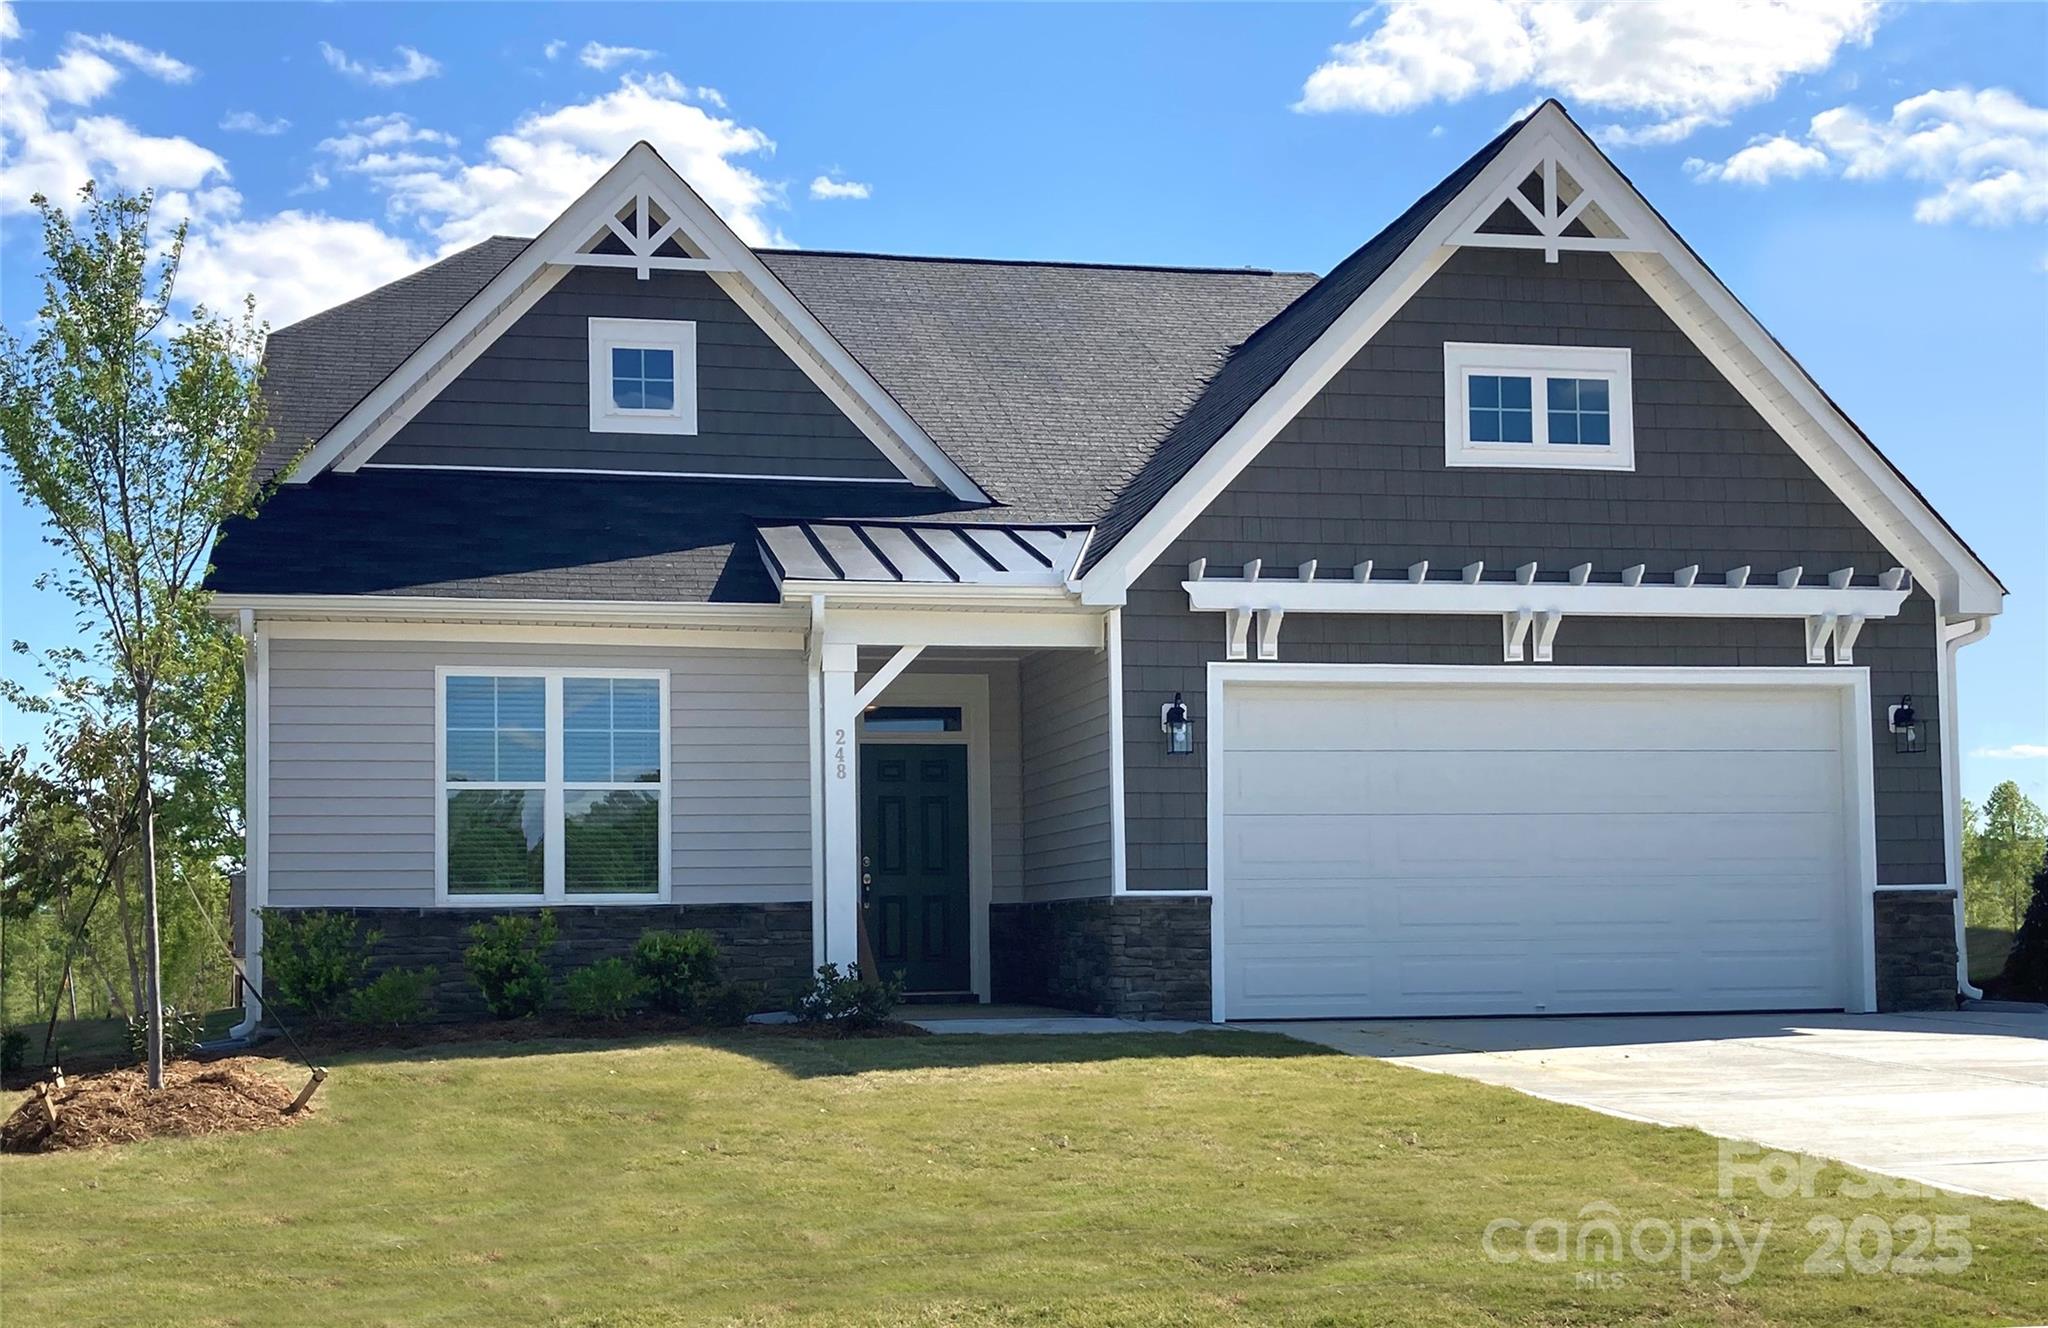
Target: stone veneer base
1128 956
1916 949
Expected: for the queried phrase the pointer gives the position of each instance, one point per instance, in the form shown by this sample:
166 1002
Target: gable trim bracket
1531 611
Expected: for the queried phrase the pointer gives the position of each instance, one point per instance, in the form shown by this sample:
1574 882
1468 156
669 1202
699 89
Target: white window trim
554 875
651 334
1462 359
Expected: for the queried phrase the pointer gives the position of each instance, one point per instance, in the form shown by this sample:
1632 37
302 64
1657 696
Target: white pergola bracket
1514 630
1237 625
1819 627
1847 629
1546 633
1269 633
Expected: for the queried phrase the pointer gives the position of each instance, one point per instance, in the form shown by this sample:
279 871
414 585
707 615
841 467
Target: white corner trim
256 818
1539 364
1551 131
1859 776
1119 847
730 262
679 338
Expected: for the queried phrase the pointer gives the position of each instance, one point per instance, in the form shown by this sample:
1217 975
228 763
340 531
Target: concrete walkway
1958 1101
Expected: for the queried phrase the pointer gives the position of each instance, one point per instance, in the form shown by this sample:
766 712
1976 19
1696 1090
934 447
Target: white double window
643 376
1569 407
553 785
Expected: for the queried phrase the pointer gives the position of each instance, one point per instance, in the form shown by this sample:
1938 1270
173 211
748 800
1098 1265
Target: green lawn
1214 1177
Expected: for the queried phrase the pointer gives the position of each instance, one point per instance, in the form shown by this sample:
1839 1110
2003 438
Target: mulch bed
325 1037
116 1107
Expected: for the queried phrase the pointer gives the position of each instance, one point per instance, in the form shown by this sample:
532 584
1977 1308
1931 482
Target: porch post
841 920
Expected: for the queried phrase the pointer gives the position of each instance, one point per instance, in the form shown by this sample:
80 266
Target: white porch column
841 919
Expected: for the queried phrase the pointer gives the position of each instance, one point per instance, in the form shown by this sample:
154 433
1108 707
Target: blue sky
1872 181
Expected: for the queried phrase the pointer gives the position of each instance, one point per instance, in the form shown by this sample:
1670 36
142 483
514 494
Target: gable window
643 376
1559 406
553 785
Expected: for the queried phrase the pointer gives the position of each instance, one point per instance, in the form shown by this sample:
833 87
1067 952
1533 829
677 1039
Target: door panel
914 863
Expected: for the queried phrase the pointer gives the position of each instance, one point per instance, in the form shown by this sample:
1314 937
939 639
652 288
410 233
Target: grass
1208 1178
1987 947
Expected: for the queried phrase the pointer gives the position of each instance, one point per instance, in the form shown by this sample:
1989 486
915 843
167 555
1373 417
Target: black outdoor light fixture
1909 732
1178 728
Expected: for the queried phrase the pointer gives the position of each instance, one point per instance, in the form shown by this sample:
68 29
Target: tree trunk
152 941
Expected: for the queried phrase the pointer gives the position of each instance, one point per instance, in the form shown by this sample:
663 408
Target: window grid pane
643 378
496 730
1501 409
1578 411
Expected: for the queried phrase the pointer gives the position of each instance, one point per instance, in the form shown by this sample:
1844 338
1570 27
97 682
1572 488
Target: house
1502 623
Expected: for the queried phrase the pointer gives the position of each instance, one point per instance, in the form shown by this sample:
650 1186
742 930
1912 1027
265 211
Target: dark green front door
914 863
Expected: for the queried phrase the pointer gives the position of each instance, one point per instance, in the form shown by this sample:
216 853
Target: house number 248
838 753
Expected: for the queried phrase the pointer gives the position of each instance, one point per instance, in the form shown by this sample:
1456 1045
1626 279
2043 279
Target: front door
914 863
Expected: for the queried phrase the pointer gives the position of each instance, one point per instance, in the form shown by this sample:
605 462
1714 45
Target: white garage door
1515 849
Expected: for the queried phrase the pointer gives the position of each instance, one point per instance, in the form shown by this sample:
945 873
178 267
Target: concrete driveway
1956 1100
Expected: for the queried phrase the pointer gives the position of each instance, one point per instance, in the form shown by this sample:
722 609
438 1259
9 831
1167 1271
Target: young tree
136 434
1999 858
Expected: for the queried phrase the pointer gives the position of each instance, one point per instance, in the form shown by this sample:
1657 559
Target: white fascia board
455 609
731 263
929 594
1075 629
1590 601
1963 585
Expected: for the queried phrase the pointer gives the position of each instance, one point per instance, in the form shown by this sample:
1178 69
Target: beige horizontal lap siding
352 781
1064 699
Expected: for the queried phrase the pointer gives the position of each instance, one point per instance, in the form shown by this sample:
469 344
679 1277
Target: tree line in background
133 432
2003 845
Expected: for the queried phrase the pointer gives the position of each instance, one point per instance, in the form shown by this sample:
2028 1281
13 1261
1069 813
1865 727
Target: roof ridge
971 261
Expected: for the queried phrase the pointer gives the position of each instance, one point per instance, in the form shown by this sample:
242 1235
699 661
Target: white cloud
50 144
2019 751
1984 153
827 187
553 50
1766 159
600 57
248 122
153 63
296 263
1681 66
412 66
526 176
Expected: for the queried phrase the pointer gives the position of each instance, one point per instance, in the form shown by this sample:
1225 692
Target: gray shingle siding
525 402
1360 473
1065 705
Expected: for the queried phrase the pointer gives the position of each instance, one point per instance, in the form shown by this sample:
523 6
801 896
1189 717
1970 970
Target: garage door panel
1531 850
1523 782
1335 717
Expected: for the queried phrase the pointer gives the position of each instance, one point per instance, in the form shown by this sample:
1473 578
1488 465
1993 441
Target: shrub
184 1030
314 959
2026 964
606 989
850 1002
679 968
728 1004
396 997
13 1050
507 961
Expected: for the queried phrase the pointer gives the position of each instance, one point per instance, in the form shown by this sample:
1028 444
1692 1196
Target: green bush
395 998
849 1002
728 1004
184 1030
13 1050
679 967
2026 964
507 961
314 960
606 989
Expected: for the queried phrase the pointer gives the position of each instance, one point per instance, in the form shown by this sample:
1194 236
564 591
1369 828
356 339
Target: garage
1403 842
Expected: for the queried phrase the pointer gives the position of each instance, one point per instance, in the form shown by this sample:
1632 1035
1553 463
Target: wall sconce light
1178 728
1909 731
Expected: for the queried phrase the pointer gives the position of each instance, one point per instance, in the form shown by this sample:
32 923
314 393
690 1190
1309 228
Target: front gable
496 386
524 402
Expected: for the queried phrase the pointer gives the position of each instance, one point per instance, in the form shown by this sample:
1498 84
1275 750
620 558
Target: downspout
1954 636
255 813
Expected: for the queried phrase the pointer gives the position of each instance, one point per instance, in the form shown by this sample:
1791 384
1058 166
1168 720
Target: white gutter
1951 639
452 608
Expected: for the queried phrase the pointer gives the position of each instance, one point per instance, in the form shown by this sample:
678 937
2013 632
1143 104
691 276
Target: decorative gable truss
1543 205
1531 609
643 217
